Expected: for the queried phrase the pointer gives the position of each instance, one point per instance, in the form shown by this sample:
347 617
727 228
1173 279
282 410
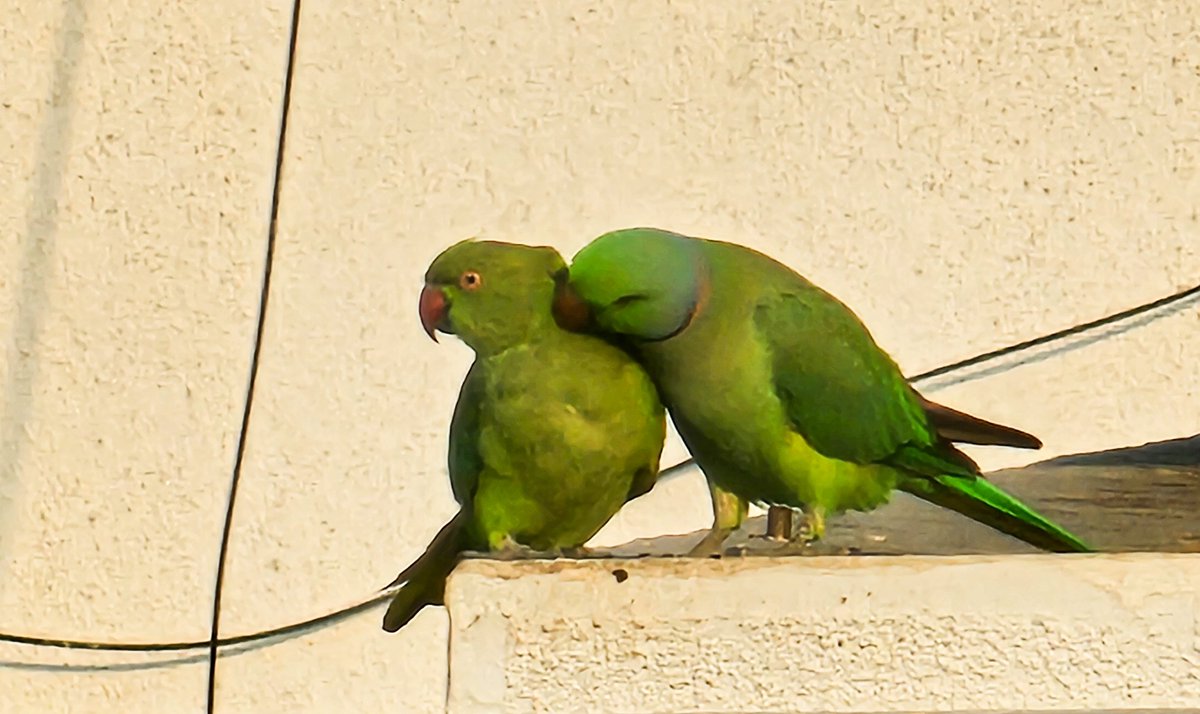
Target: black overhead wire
214 643
1063 334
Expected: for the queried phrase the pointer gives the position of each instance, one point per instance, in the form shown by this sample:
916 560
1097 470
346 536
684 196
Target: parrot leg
728 513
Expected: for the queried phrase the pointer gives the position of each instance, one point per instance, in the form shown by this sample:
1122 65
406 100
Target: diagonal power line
272 231
1178 300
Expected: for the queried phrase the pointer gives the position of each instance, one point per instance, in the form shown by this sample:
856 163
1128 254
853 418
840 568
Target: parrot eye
470 280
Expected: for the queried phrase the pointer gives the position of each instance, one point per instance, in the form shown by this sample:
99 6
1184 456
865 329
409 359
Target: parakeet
778 389
553 431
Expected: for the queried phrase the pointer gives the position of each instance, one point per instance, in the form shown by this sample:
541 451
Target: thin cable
272 232
1060 335
281 631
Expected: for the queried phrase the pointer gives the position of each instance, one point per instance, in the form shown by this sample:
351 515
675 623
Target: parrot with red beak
553 431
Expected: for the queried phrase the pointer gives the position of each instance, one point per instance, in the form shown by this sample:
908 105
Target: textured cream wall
137 150
885 634
962 175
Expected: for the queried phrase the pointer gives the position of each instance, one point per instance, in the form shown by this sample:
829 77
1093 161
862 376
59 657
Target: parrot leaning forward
553 431
778 389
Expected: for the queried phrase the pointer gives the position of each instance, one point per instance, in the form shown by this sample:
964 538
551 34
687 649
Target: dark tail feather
982 501
425 579
953 425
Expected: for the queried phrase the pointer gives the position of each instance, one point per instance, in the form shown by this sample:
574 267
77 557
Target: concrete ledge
1111 632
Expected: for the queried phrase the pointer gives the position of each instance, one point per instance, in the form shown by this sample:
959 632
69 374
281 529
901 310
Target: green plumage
778 389
553 431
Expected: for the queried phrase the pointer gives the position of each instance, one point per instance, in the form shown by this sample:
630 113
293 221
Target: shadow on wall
33 269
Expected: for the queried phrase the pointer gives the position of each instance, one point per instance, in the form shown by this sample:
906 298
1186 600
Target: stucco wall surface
138 143
964 175
905 633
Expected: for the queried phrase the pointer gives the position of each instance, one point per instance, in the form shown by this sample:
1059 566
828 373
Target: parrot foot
813 529
509 549
729 510
710 545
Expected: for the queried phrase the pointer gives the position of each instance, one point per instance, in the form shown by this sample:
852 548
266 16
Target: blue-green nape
642 283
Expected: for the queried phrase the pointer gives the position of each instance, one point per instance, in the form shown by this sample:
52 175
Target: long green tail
425 579
980 500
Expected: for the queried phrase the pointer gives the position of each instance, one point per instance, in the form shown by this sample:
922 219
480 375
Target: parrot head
490 294
642 283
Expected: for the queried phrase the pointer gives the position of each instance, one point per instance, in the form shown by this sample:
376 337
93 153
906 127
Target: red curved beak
433 310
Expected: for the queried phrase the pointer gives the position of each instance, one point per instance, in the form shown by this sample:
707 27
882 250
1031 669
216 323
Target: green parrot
778 389
553 431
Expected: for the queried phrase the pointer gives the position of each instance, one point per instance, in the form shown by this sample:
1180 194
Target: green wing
848 399
464 460
842 393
